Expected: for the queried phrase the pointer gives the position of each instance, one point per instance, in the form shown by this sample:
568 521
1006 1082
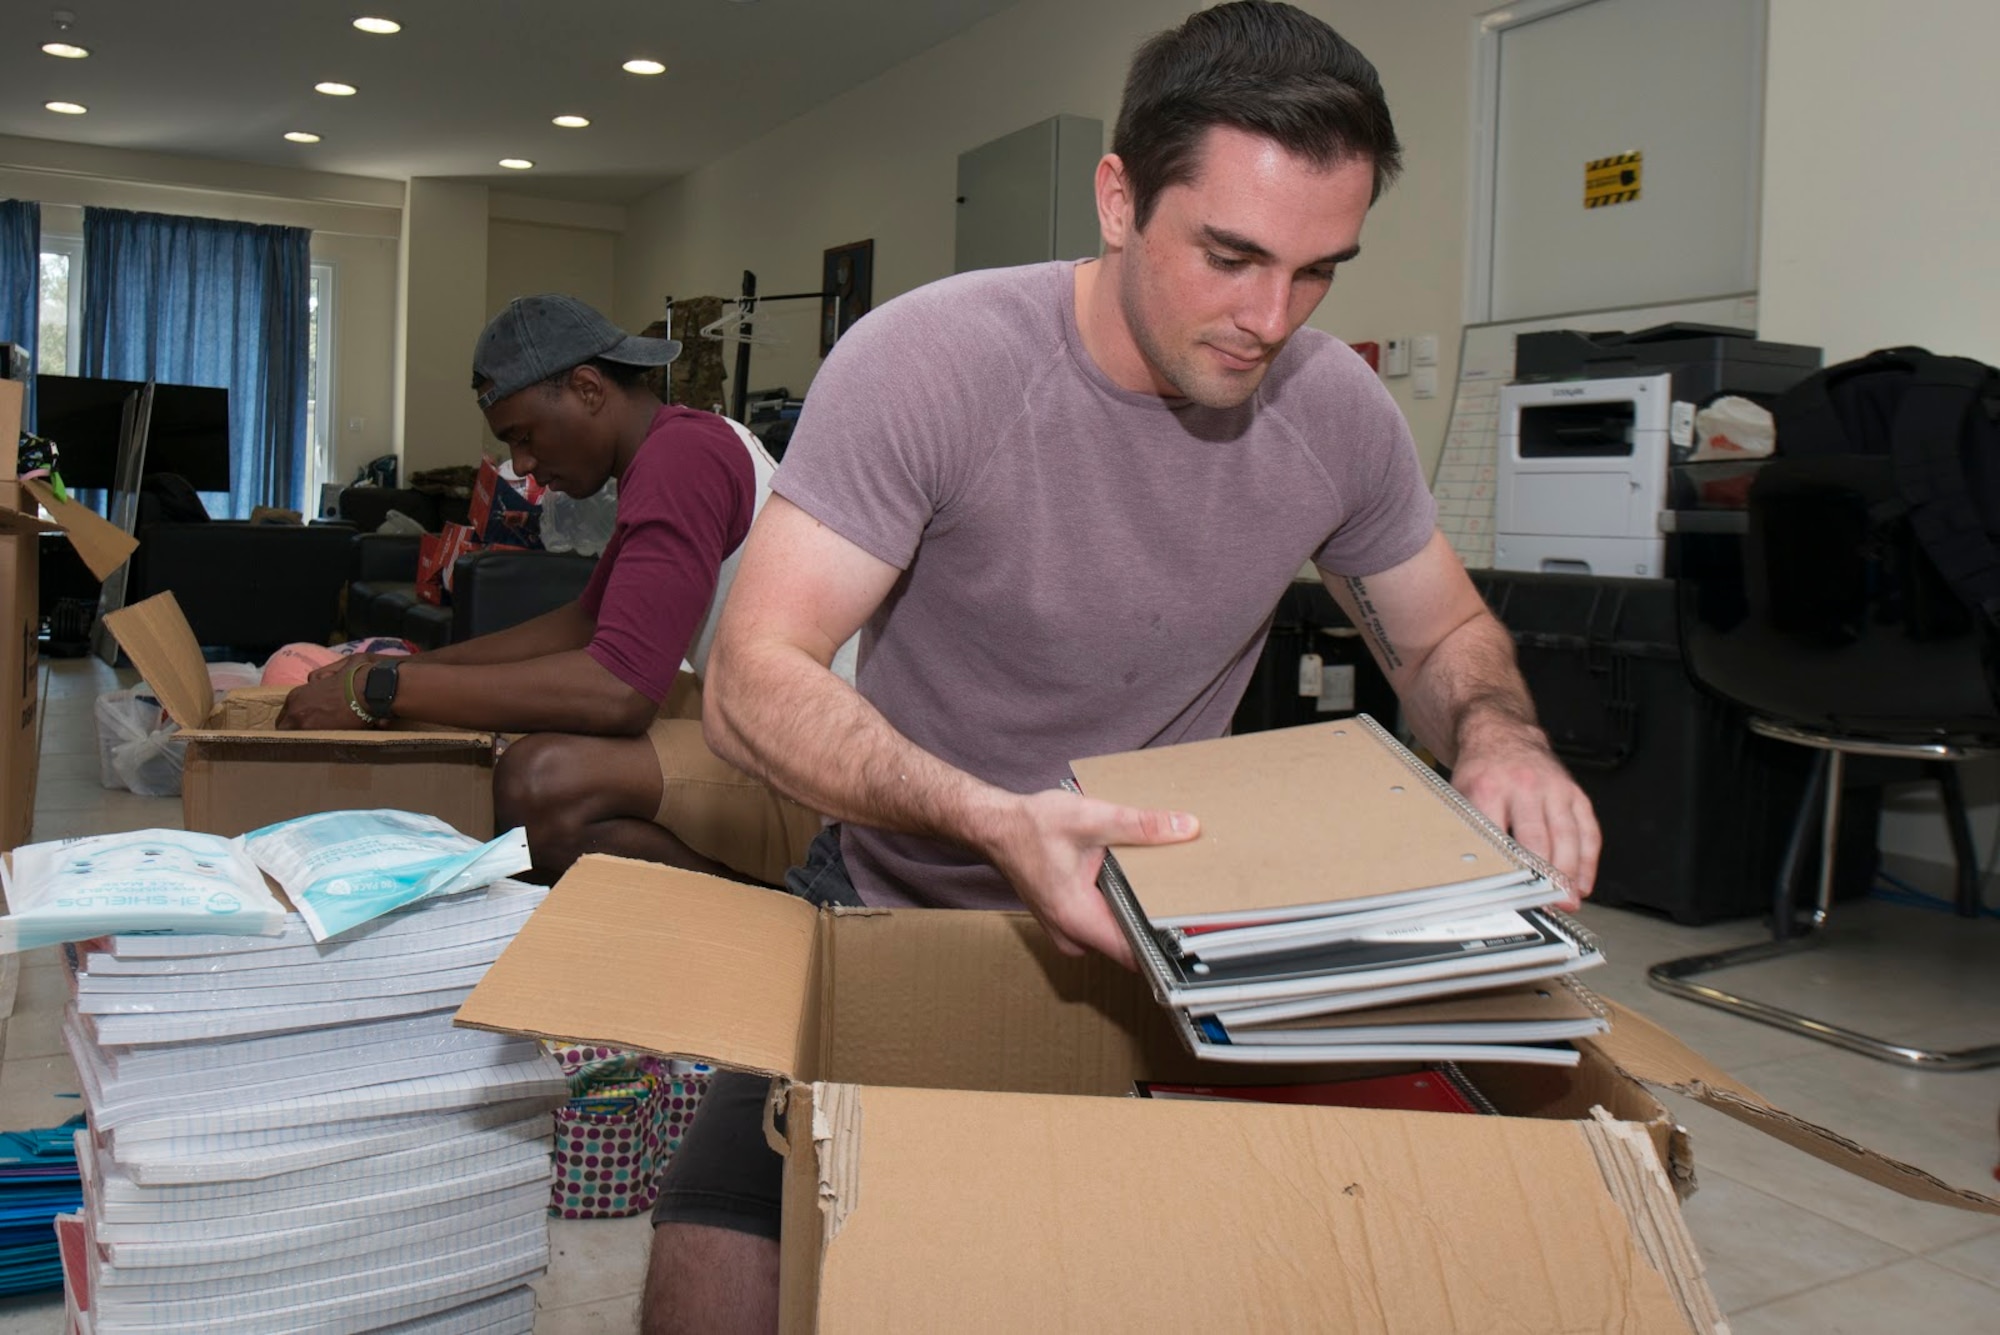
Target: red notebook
1434 1089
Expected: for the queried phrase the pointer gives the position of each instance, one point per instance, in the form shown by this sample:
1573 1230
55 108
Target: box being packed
962 1151
241 773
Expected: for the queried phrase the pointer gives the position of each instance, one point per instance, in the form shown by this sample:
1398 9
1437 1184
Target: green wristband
360 710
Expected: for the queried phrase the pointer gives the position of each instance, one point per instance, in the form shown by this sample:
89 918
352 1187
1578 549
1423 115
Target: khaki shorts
716 809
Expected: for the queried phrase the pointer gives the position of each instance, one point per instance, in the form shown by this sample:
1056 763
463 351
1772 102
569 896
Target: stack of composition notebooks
1343 903
290 1136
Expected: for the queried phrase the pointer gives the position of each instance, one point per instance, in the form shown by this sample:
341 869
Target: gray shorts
725 1174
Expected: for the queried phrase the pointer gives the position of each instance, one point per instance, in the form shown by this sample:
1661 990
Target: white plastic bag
397 523
234 676
123 717
151 765
1733 428
581 525
136 743
155 881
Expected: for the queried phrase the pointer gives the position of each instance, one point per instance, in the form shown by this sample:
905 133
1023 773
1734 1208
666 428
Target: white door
1678 82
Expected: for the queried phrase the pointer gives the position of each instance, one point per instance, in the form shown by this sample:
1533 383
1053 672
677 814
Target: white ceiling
466 83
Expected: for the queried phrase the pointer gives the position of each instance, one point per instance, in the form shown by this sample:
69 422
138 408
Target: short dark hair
1254 65
622 374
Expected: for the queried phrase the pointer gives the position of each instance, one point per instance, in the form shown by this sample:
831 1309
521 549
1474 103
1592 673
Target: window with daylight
319 385
61 303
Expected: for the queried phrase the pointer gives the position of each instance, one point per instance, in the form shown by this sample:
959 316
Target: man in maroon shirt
614 760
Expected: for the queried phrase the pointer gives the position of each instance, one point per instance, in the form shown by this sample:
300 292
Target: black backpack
1938 420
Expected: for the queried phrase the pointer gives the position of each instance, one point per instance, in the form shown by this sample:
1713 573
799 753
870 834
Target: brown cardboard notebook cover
1289 818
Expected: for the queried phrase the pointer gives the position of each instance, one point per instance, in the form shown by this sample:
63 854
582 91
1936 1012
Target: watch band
360 710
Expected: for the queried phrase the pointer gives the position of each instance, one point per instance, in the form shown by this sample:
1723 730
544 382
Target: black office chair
1806 597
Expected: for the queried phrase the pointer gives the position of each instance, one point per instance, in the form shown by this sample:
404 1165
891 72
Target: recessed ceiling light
66 108
516 164
644 67
332 89
66 50
572 122
380 27
302 136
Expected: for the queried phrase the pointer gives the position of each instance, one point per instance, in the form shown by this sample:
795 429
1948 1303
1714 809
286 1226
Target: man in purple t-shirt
1061 502
614 760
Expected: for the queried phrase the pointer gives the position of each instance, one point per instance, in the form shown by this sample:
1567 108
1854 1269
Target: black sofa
491 590
367 507
251 587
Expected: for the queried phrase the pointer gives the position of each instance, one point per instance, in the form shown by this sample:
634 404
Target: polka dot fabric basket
625 1117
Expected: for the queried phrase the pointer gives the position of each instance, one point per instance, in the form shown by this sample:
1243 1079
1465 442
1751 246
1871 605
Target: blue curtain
21 283
196 301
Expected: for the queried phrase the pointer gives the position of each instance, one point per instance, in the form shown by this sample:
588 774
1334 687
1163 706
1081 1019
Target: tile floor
1793 1247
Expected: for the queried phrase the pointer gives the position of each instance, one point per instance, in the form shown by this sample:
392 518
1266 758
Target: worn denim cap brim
535 338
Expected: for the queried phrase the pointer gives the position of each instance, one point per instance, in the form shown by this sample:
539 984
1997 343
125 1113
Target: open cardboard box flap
162 645
1648 1053
604 968
1137 1213
18 522
691 966
156 634
102 544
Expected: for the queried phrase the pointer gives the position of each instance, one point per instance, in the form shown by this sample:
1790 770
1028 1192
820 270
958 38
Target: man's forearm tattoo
1371 623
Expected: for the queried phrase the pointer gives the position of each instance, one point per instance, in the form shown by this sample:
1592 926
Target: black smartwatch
378 690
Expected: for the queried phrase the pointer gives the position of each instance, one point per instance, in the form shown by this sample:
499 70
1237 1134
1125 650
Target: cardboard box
504 513
103 546
242 773
958 1156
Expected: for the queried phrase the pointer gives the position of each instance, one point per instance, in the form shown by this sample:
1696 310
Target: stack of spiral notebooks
1342 903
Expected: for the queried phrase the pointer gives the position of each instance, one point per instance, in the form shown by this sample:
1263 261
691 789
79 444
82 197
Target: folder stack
38 1181
287 1136
1342 903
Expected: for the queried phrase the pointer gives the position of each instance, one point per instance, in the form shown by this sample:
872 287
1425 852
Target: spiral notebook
1340 873
1301 823
1528 1022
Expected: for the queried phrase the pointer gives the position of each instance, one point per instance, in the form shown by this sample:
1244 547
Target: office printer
1589 426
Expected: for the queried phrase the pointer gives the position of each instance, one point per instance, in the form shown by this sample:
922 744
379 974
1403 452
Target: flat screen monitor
81 415
189 433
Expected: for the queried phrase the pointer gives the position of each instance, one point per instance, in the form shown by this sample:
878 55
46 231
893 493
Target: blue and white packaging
342 868
169 881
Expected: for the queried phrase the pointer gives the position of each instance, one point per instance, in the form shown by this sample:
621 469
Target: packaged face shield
168 881
341 868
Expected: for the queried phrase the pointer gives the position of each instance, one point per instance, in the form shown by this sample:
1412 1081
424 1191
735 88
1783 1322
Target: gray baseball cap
535 337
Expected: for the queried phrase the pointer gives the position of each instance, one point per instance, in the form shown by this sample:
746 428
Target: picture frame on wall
846 285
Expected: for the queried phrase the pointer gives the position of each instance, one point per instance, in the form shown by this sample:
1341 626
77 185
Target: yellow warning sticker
1612 180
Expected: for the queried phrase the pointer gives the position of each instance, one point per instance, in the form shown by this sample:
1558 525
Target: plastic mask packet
342 868
144 881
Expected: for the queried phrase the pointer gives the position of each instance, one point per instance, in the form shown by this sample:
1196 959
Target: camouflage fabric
697 374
